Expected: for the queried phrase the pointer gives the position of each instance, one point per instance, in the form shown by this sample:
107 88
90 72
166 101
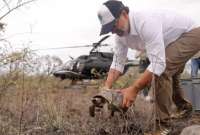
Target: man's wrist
107 85
135 88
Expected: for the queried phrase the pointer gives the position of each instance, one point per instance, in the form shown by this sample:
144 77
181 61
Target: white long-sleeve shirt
152 31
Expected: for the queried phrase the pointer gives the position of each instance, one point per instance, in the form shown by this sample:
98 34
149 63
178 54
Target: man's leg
165 106
178 92
177 54
178 96
194 68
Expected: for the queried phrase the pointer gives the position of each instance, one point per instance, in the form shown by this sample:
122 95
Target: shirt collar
133 30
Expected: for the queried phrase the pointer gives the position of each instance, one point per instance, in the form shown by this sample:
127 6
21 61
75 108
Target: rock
191 130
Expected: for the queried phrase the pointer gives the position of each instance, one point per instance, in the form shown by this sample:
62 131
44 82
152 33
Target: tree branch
8 2
7 5
16 7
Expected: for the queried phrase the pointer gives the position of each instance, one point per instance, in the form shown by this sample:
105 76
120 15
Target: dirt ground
139 119
51 108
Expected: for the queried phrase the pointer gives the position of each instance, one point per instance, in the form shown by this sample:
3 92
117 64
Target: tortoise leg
92 110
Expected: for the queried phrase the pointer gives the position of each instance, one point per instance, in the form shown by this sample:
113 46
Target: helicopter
92 66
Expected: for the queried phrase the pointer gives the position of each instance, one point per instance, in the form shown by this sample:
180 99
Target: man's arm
144 80
131 92
113 75
119 60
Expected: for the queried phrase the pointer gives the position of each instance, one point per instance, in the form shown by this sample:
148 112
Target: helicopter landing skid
74 75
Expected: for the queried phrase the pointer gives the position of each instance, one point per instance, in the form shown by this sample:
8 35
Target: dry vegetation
39 104
32 102
35 104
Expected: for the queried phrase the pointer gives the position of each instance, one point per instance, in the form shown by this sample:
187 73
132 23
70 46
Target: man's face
122 27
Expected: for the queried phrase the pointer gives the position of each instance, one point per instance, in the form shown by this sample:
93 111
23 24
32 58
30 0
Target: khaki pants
168 92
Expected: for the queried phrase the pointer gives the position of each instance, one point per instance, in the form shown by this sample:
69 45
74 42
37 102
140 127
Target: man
195 65
169 40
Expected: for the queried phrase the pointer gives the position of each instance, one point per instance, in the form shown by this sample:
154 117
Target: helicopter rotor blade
104 38
94 45
71 57
97 44
66 47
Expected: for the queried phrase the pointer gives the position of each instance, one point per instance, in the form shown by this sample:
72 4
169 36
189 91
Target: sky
61 23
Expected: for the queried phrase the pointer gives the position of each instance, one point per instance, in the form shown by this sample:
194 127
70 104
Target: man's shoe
185 110
161 130
164 131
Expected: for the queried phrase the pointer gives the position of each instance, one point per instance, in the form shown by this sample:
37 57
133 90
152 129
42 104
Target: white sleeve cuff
118 67
157 68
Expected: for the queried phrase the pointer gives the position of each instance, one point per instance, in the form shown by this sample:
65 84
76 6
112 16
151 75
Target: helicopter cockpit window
69 65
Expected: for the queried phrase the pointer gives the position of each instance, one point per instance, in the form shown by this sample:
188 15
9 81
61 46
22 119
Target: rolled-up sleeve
120 56
152 34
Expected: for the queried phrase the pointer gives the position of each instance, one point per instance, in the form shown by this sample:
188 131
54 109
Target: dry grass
40 105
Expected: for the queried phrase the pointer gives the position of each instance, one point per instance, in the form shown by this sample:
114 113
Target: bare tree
7 7
47 64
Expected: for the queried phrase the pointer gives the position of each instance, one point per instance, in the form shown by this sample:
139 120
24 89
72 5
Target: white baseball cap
108 13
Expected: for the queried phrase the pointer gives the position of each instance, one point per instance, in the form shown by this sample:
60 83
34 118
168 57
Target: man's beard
124 31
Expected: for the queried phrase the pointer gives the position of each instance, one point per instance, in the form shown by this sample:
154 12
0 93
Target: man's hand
130 93
129 96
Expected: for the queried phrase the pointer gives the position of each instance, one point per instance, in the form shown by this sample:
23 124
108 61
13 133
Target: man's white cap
108 13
